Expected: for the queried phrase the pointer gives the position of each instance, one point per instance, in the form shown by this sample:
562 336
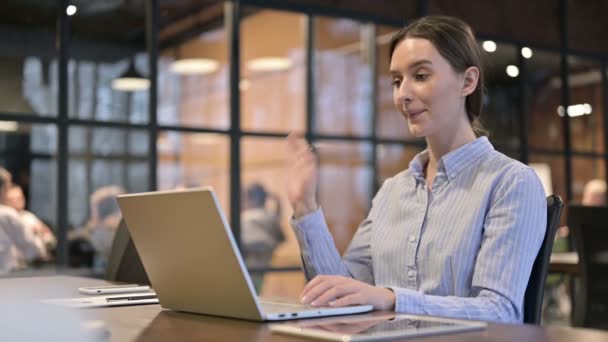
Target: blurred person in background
36 230
594 193
16 249
261 231
99 231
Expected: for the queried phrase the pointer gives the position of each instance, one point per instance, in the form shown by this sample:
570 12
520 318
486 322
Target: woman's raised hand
302 175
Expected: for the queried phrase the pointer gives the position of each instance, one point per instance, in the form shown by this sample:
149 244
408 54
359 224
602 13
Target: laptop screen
124 264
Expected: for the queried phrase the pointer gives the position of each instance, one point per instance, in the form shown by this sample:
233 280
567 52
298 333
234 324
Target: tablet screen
376 324
365 327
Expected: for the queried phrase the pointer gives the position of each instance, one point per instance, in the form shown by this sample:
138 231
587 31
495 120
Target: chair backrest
124 264
589 229
533 299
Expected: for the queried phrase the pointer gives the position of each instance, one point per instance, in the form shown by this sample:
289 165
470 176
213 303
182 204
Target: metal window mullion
27 118
152 28
63 36
88 131
422 8
565 94
604 69
233 16
310 41
127 148
372 60
524 148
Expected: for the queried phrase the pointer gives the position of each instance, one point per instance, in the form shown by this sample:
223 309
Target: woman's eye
396 82
421 77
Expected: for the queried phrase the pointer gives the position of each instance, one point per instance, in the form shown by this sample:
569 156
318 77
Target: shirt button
411 273
412 239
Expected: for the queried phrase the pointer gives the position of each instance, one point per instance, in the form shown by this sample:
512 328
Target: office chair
533 299
589 229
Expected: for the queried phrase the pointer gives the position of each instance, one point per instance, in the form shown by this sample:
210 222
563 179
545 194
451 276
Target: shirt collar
455 161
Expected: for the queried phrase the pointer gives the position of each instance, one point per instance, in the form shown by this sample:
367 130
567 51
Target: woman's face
426 90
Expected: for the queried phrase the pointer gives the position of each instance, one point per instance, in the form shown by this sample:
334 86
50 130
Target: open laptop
189 253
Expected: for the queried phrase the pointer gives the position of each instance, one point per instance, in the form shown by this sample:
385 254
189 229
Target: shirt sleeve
319 252
513 231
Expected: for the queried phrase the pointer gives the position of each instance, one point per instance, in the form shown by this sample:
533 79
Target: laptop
191 257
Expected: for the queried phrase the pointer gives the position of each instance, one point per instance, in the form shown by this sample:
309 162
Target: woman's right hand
302 176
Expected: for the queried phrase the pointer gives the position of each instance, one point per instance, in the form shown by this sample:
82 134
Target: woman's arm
320 255
318 250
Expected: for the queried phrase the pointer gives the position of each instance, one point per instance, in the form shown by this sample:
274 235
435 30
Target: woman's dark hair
455 41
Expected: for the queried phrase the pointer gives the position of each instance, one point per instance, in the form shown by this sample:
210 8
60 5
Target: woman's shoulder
398 178
500 162
508 170
396 184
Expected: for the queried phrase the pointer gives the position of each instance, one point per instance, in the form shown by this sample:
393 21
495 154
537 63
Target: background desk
152 323
567 263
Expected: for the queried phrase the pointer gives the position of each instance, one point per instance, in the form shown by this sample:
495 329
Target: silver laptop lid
189 252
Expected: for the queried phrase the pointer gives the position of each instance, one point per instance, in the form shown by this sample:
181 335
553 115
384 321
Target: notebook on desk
191 257
104 301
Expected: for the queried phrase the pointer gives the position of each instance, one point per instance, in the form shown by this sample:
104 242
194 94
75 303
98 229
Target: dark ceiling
101 30
112 29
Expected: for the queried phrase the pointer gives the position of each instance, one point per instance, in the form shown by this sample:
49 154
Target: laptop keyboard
283 305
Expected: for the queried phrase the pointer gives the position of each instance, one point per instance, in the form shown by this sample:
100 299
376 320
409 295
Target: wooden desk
564 263
152 323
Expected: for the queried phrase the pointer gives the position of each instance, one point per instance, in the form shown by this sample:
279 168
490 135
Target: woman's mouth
414 114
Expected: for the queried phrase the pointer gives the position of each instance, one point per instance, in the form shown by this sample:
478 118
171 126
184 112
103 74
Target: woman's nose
404 95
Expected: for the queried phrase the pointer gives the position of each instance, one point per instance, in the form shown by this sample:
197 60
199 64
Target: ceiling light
512 70
8 126
194 66
576 110
526 52
71 10
131 80
269 64
489 46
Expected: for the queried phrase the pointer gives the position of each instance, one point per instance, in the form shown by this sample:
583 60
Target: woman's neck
443 143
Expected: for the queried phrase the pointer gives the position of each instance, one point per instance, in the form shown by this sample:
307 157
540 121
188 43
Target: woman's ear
471 78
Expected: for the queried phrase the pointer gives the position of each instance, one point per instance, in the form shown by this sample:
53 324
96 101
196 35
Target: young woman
457 232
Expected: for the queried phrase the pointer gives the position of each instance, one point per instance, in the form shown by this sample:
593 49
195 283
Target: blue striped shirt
462 249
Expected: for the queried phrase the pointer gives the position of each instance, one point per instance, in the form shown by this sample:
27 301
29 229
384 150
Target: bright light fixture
131 80
512 70
526 52
576 110
269 64
130 84
489 46
195 66
8 126
71 10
